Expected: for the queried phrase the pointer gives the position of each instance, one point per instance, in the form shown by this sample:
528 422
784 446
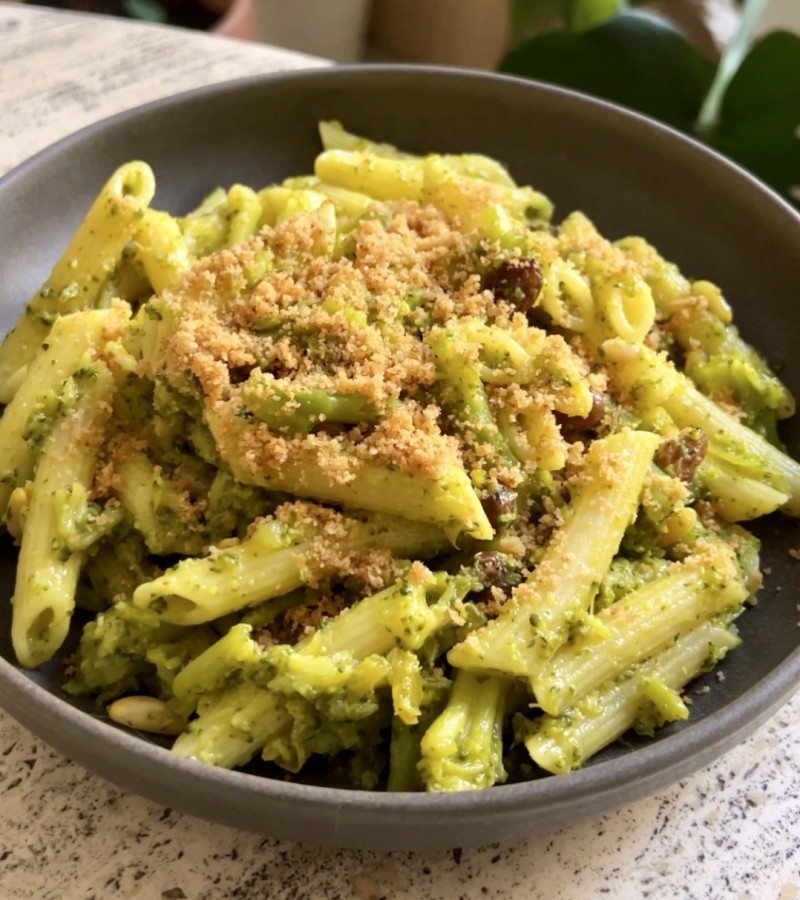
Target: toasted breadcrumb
299 621
350 325
329 532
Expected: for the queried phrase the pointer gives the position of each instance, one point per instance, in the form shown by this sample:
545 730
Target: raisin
684 454
491 569
591 421
500 506
518 281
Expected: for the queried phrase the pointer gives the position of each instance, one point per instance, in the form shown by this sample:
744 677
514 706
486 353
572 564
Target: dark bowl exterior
630 176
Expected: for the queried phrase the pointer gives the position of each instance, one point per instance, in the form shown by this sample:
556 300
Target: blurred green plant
747 106
146 10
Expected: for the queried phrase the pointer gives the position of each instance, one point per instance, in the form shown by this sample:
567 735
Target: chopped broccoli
463 748
231 506
625 575
405 751
125 648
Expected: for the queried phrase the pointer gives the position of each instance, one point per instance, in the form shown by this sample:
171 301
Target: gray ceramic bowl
632 177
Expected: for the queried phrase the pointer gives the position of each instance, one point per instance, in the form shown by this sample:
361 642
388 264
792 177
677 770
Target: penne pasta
378 465
76 279
538 618
48 568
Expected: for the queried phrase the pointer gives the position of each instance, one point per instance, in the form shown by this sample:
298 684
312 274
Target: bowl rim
651 767
359 70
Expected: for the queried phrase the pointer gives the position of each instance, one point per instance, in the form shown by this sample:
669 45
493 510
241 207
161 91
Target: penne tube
47 570
449 502
78 276
382 178
635 627
73 344
274 560
242 212
559 744
160 248
466 199
537 620
334 137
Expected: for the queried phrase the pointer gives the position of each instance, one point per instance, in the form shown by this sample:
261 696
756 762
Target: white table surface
730 831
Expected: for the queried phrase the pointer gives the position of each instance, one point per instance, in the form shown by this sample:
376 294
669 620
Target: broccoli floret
234 724
463 748
232 506
405 751
113 571
128 649
739 370
315 733
626 575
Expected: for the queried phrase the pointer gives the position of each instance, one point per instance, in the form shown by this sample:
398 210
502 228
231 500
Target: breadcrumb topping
330 548
351 325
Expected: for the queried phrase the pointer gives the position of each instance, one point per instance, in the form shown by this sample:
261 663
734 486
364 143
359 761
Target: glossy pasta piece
449 501
382 178
78 276
467 200
47 570
335 137
72 344
537 620
635 627
471 165
272 561
646 694
160 247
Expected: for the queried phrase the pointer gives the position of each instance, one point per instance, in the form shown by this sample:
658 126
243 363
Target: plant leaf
583 15
146 10
729 63
636 59
760 115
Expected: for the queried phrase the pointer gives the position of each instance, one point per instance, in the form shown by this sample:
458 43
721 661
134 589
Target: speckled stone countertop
730 831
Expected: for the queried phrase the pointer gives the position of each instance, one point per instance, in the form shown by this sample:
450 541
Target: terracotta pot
448 32
237 20
473 32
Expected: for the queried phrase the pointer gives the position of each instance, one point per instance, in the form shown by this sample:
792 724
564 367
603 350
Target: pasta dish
380 467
